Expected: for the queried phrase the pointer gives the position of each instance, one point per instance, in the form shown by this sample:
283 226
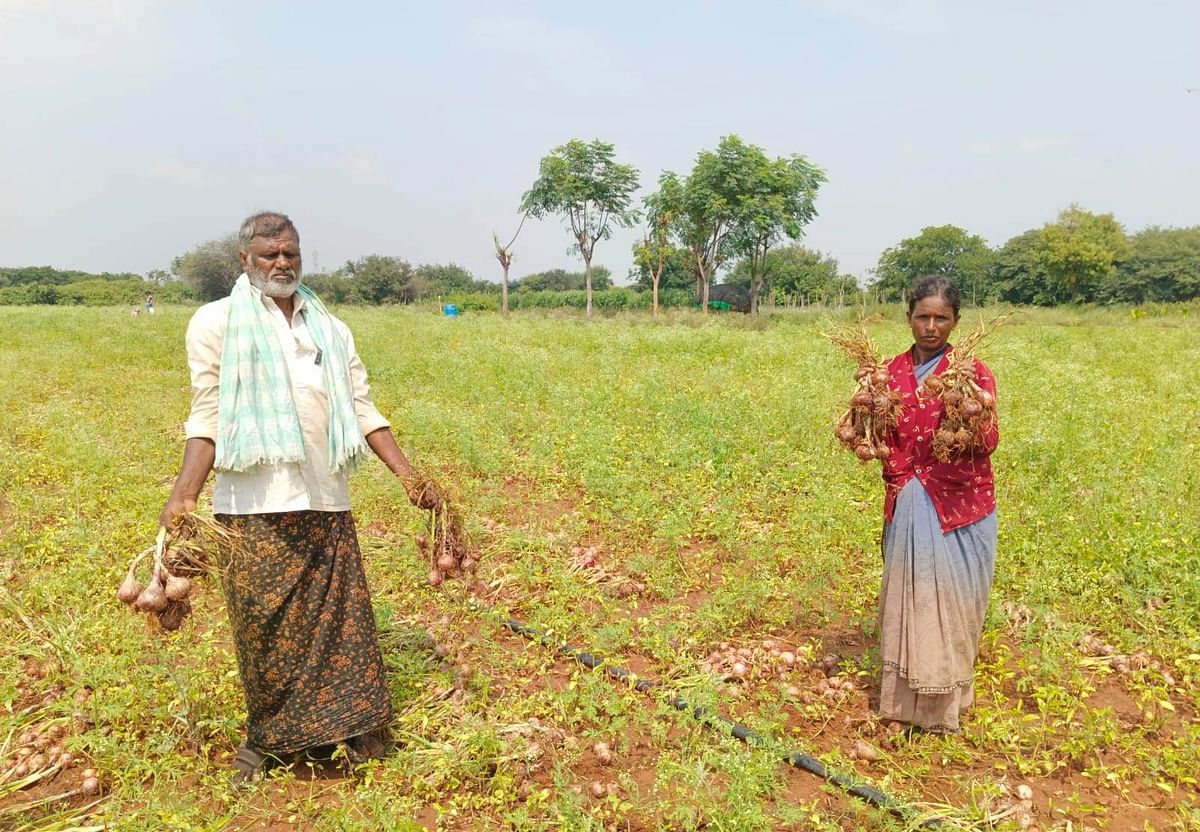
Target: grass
697 453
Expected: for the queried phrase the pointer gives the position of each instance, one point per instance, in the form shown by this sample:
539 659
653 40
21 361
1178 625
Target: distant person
281 408
939 533
149 303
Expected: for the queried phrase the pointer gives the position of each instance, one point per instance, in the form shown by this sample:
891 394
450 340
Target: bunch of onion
38 751
968 410
772 658
874 407
180 554
445 542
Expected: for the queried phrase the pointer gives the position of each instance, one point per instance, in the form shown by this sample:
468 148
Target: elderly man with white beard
282 410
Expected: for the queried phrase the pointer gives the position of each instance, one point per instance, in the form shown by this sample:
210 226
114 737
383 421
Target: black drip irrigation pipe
796 758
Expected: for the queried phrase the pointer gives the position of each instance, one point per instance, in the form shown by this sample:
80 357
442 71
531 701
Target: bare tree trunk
758 273
701 281
505 257
587 279
655 307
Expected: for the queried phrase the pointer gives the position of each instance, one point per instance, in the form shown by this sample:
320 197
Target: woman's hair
928 285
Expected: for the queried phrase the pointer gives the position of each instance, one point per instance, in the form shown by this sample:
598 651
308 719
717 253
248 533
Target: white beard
272 288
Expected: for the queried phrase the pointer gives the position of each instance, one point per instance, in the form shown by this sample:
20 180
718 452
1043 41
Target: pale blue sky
134 129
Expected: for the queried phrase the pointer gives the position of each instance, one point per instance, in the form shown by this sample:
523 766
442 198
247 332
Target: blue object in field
450 310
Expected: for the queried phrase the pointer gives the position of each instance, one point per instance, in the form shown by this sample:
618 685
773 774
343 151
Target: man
282 410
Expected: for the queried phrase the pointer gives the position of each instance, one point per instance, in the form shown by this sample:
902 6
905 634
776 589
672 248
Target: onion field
666 495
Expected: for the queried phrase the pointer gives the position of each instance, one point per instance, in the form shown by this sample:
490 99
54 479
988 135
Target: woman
939 533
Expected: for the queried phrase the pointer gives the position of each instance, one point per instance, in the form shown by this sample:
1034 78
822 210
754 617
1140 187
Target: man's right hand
175 508
423 495
198 456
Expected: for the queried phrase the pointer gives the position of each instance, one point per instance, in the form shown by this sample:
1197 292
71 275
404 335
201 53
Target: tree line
737 212
1080 257
211 268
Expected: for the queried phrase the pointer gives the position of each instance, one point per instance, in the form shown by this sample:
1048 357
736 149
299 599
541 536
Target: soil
825 728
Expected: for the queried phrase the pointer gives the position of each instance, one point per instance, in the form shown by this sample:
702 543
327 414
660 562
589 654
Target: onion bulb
129 590
435 577
865 751
152 598
446 563
171 618
178 587
864 452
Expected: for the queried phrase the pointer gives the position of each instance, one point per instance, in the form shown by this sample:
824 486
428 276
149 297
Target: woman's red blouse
963 489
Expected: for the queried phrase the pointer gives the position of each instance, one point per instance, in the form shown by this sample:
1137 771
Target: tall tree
210 268
1079 252
777 200
504 254
711 205
653 252
583 182
939 249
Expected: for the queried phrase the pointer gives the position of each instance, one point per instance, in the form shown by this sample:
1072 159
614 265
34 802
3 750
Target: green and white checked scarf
257 420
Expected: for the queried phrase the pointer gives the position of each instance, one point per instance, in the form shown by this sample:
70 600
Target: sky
132 130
